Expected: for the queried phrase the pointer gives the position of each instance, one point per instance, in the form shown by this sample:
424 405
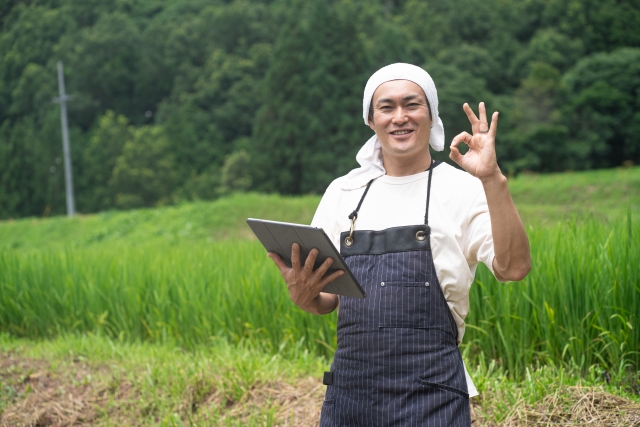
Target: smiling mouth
401 132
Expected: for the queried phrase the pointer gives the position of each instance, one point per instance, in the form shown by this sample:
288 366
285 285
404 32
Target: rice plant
185 294
579 305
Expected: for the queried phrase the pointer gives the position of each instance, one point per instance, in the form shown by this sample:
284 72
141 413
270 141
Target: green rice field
129 278
579 305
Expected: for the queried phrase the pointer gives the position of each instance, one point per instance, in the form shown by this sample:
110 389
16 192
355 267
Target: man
412 231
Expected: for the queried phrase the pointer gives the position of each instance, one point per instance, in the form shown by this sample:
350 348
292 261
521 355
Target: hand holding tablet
279 238
306 284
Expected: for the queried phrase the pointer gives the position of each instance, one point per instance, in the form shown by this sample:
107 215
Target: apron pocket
404 305
443 387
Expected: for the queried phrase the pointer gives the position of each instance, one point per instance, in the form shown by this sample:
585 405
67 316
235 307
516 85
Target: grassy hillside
608 194
197 221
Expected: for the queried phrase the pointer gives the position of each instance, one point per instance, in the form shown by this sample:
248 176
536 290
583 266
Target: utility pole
68 177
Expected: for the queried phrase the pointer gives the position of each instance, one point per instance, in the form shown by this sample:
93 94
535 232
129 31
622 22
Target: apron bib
397 361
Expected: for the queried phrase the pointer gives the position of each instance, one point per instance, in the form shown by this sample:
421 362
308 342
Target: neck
406 165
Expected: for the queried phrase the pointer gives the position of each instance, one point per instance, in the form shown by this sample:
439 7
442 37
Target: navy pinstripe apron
397 361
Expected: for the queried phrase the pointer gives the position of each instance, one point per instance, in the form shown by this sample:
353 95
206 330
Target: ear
371 125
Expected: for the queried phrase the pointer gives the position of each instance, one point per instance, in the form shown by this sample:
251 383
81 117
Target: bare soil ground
37 393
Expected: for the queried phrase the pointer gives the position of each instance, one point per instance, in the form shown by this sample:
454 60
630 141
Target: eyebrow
406 98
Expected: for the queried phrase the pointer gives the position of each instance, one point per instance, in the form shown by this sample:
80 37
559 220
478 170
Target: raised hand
480 161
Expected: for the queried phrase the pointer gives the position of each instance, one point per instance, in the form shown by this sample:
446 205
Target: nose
399 116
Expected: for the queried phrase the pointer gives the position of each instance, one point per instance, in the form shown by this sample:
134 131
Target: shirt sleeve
478 238
325 214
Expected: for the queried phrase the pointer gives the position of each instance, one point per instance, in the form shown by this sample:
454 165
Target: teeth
401 132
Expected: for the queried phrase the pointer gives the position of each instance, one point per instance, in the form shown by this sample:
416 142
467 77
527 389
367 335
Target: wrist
495 178
324 304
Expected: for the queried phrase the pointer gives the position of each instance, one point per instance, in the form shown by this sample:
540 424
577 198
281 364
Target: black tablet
279 236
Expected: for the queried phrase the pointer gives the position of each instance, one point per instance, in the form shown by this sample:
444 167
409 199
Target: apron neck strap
354 215
426 212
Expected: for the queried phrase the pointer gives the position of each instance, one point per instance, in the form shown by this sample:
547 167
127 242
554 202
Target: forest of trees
180 100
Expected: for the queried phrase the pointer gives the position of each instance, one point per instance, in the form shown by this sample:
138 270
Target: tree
310 125
144 174
99 160
282 79
603 108
535 137
235 175
602 25
203 123
104 61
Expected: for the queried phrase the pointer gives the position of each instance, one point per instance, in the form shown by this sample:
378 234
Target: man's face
401 119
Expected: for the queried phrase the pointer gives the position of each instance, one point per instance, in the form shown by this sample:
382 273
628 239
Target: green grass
578 306
189 222
541 199
605 188
178 316
151 384
188 276
607 194
187 294
217 384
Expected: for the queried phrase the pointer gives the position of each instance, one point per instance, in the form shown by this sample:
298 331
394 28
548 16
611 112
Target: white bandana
370 155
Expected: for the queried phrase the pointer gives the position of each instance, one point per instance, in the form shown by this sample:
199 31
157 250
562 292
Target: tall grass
579 305
185 294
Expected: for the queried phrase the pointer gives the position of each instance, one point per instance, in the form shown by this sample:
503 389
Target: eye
385 108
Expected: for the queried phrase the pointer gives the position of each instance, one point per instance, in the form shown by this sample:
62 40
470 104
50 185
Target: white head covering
370 155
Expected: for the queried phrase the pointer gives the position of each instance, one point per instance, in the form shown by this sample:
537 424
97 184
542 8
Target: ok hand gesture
480 161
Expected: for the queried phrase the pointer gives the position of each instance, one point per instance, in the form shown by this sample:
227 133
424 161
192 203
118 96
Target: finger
310 262
278 261
470 114
484 127
330 278
454 153
465 137
295 256
320 272
494 124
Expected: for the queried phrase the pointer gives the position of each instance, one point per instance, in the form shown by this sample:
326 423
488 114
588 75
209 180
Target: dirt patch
573 406
38 393
296 404
299 405
44 395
